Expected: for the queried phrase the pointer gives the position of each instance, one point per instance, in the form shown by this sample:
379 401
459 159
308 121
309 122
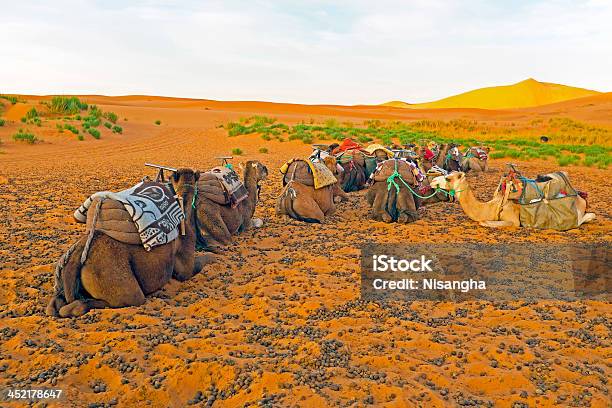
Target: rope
396 174
91 232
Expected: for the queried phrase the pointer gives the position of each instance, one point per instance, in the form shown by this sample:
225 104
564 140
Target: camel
453 159
217 222
353 178
476 159
389 197
502 210
119 275
303 202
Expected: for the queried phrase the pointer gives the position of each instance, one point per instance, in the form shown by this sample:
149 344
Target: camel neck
250 182
477 210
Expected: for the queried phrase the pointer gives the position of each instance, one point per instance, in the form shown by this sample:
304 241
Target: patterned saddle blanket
146 214
223 186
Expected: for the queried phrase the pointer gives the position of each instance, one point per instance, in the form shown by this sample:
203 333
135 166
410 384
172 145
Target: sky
338 51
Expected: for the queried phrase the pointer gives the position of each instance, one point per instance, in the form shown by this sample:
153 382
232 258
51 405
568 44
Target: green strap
195 195
396 174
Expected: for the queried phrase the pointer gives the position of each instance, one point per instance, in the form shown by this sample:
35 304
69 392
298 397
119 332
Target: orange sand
257 325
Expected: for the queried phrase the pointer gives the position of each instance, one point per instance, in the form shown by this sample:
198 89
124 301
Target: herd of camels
99 271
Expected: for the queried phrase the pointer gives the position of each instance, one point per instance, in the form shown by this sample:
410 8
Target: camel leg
55 304
107 276
406 207
497 224
80 307
217 229
306 207
378 207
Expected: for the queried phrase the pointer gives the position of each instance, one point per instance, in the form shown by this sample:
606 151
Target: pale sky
340 51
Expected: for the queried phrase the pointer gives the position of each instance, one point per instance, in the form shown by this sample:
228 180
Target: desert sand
527 93
277 321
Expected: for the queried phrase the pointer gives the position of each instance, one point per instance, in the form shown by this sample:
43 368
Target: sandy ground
277 321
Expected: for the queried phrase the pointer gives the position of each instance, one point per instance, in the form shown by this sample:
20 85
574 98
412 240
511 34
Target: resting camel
502 210
220 222
393 200
117 274
303 202
353 178
476 159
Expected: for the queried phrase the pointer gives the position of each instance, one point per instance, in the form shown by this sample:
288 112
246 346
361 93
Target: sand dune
523 94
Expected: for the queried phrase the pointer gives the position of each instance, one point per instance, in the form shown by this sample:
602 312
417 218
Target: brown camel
303 202
502 210
393 201
218 222
119 275
353 178
476 159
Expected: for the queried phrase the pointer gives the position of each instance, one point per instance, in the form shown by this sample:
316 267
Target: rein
396 174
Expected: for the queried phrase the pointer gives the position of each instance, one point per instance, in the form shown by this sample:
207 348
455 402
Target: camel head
184 181
255 169
332 164
453 183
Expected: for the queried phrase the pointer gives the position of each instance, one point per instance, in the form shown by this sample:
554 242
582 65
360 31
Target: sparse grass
263 150
2 122
503 139
66 105
237 152
94 132
117 129
71 128
80 138
108 125
25 136
158 122
11 98
32 117
111 116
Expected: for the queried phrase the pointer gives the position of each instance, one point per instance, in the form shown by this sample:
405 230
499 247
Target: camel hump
405 169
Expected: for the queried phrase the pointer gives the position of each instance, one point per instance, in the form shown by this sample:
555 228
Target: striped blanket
152 207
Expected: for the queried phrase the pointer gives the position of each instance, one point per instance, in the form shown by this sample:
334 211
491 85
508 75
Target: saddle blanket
152 207
222 185
322 176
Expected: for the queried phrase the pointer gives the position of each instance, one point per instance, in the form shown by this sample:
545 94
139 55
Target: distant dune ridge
527 93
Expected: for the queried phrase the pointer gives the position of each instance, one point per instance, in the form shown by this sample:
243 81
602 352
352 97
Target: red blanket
347 144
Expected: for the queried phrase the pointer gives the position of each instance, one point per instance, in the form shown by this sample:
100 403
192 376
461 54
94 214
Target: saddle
146 214
222 185
387 168
548 202
310 173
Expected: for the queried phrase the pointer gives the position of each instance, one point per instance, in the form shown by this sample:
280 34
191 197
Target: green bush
237 152
117 129
108 125
158 122
23 136
263 150
94 111
567 160
110 116
80 138
71 128
66 105
94 132
2 122
11 98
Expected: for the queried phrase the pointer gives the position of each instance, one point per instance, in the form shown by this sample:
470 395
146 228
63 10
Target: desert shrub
108 125
11 98
31 114
263 150
25 136
94 111
66 105
237 151
111 116
117 129
158 122
59 127
266 137
567 160
80 138
94 132
2 122
71 128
